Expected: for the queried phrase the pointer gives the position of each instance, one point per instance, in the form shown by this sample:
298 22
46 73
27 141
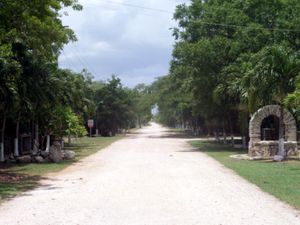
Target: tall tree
31 37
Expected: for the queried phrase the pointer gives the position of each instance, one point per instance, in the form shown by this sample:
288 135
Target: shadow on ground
166 134
214 147
13 182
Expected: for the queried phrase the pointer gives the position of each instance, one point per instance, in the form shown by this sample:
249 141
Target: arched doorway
270 128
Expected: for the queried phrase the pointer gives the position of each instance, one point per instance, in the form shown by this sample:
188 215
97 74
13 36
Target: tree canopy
230 58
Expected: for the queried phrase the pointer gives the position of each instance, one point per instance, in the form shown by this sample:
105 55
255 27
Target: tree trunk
224 138
16 146
48 143
36 137
217 134
231 133
224 135
2 158
196 128
232 140
281 152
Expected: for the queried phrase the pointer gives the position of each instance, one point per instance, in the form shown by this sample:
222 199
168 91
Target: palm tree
269 77
8 96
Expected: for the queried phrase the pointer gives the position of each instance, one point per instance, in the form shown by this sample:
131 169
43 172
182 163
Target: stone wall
268 149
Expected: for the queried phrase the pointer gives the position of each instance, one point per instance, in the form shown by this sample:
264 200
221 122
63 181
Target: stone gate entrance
261 144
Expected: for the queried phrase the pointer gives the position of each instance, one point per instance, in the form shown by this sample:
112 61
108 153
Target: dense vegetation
230 58
120 108
37 98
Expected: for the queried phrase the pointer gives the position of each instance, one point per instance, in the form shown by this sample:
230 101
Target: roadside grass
279 179
17 178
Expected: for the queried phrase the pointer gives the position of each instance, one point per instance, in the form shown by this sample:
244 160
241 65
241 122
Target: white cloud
132 42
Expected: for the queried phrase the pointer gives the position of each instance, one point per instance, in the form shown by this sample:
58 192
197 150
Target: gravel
147 179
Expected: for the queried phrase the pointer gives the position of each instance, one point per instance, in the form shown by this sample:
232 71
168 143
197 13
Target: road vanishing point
148 178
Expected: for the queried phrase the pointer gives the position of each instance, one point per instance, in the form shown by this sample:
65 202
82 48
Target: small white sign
90 123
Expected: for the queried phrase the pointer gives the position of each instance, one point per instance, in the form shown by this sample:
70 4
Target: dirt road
147 179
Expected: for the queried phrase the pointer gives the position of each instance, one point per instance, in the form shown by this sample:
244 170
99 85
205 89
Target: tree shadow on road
176 134
13 182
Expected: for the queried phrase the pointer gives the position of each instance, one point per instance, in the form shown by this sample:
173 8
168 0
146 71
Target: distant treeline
37 98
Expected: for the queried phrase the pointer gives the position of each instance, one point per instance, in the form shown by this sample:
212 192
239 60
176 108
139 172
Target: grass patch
279 179
17 178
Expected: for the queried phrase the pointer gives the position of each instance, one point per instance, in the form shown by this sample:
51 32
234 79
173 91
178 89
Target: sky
129 38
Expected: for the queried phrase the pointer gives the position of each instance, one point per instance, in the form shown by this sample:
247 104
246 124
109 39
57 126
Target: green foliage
143 102
171 100
36 24
269 76
74 127
33 90
229 59
293 99
118 107
32 87
36 94
65 122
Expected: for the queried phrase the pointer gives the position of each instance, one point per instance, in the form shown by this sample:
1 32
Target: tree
31 37
8 95
143 102
65 122
220 43
270 77
114 105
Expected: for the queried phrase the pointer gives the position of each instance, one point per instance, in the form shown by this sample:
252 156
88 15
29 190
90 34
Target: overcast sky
121 37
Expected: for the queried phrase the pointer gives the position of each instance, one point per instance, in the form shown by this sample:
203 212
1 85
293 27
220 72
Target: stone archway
266 149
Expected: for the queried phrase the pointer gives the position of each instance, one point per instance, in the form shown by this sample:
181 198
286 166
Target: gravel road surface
148 178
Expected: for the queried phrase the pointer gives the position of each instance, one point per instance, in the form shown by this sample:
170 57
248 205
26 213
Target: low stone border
249 158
